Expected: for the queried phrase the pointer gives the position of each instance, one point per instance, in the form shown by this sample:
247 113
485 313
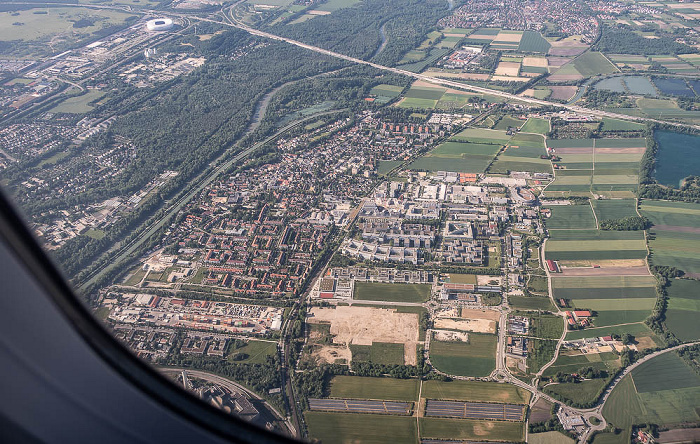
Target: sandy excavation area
365 325
475 325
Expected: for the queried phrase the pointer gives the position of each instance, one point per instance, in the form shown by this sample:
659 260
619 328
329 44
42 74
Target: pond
677 157
674 87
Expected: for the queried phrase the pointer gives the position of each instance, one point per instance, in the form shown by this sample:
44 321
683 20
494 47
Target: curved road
233 386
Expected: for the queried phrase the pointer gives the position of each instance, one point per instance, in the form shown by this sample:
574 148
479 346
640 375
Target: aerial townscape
377 221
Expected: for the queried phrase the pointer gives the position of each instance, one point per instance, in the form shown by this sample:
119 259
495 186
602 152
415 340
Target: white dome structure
161 24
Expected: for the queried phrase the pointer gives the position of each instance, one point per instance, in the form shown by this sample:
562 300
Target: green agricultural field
475 358
570 216
683 309
672 213
343 428
540 352
530 302
253 352
614 208
665 372
482 135
467 429
331 5
637 330
593 63
425 93
386 353
582 392
607 293
533 41
59 21
412 102
616 317
622 407
621 125
570 143
506 163
603 281
78 104
627 304
384 166
549 438
573 364
472 164
535 125
638 142
546 326
475 391
593 245
675 246
388 91
461 149
371 291
508 122
389 389
584 235
662 391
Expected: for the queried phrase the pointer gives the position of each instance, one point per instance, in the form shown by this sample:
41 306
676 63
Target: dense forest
356 31
621 40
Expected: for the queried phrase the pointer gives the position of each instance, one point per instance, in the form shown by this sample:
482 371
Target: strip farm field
675 235
662 391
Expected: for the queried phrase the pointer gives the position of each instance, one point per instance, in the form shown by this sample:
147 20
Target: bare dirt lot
364 325
539 62
475 313
508 69
475 325
606 271
454 336
563 92
638 150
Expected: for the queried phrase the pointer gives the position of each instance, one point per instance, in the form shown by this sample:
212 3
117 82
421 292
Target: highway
233 386
441 82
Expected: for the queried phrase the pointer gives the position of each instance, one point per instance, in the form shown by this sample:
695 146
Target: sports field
475 391
475 358
356 387
343 428
371 291
473 430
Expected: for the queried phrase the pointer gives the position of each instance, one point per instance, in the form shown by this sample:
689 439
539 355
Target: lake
677 157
